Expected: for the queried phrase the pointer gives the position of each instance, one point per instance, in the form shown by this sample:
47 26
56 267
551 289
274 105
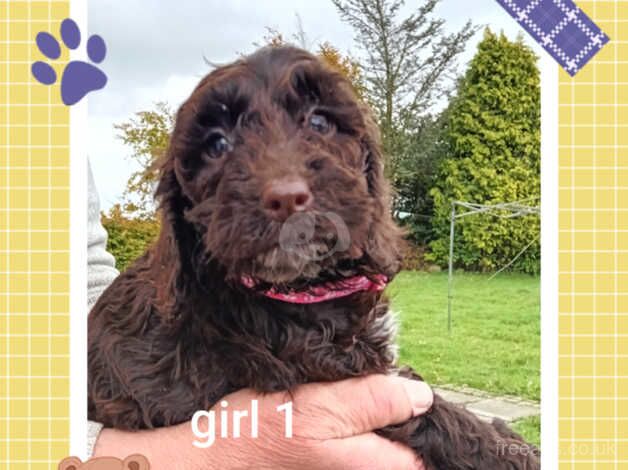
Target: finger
369 452
357 406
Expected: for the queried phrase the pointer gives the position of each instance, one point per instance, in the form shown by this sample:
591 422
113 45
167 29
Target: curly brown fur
178 330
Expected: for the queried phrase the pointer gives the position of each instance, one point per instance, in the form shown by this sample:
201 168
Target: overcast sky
155 52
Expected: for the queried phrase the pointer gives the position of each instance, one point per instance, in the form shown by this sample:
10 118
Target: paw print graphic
78 77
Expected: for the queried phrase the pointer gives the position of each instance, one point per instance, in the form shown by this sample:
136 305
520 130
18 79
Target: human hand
333 426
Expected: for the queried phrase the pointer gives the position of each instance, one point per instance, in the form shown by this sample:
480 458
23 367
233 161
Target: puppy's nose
282 198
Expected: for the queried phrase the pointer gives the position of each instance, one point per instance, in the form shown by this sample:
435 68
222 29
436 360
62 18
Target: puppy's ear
386 240
373 158
169 192
168 188
176 239
386 245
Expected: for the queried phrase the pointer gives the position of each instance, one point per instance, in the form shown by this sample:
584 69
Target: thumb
361 405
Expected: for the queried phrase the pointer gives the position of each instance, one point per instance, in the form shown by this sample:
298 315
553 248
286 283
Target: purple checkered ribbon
563 29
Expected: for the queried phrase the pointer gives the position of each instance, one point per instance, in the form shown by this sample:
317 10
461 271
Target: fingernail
420 395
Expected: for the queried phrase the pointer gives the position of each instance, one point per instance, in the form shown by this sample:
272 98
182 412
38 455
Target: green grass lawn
530 429
494 344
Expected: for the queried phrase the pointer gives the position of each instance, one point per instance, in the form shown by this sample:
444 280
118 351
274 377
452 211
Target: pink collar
325 291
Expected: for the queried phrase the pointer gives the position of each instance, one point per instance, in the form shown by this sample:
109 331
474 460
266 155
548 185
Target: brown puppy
276 242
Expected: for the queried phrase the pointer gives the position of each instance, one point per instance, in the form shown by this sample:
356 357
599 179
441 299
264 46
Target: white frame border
549 261
549 258
78 254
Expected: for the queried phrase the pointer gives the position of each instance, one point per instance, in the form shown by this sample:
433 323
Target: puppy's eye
319 123
217 145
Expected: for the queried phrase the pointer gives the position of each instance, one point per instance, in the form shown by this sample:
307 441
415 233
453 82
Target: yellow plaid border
593 252
34 245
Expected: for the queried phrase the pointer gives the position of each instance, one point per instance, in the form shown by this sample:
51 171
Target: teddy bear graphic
132 462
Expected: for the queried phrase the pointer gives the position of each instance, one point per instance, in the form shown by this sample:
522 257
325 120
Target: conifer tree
494 157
